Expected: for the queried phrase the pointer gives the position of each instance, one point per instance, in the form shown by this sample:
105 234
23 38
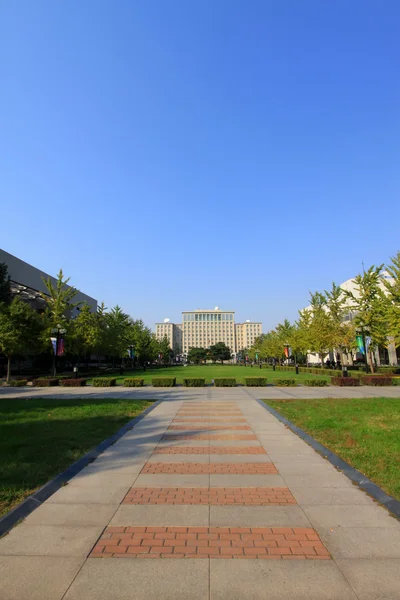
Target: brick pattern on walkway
210 450
210 542
192 468
213 496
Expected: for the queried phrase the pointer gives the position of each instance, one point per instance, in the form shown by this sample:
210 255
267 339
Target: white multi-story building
203 328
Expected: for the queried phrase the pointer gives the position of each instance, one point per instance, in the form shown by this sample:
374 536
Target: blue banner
54 343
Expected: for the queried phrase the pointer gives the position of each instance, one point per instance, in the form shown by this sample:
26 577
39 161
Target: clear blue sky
177 154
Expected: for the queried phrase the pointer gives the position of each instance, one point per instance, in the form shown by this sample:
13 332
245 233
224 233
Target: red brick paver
210 542
192 468
244 436
210 450
215 496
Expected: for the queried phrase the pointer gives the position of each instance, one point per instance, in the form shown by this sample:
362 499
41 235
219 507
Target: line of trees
322 329
219 351
106 333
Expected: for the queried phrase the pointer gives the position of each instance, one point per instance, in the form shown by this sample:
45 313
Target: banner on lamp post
54 344
60 351
360 343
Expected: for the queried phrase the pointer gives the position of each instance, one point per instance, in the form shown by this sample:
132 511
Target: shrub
163 381
45 382
78 382
104 382
255 381
396 381
225 382
285 382
345 381
194 382
315 382
133 382
376 380
17 382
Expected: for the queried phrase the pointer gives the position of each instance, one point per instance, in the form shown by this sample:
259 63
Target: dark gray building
27 282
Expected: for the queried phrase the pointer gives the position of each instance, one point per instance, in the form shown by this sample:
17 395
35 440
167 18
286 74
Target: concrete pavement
303 530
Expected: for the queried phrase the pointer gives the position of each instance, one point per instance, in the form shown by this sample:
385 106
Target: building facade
203 328
27 282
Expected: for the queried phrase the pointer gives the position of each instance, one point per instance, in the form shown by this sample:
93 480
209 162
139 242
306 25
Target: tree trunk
8 369
371 363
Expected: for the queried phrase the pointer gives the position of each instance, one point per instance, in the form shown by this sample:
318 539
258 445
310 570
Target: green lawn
365 432
210 372
41 437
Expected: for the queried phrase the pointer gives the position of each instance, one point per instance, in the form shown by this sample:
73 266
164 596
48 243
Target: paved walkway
207 478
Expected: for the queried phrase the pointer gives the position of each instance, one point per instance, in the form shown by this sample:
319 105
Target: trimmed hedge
225 382
255 381
48 382
104 382
194 382
396 381
376 380
133 382
315 382
78 382
17 382
345 381
163 381
285 382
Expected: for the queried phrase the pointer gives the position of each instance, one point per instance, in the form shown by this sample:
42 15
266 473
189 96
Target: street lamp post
57 331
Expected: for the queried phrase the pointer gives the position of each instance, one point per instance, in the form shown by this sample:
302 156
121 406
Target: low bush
285 382
45 382
163 381
315 382
194 382
78 382
345 381
255 381
104 382
396 381
17 382
133 382
376 380
225 382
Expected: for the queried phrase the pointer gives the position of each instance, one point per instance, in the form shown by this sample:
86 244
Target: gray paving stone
90 478
362 542
329 496
373 579
239 458
162 480
350 516
246 481
81 494
277 580
49 540
72 514
185 515
258 516
36 577
141 579
322 480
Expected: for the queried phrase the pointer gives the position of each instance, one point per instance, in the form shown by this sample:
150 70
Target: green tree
145 343
20 328
370 306
219 351
165 350
5 285
84 333
197 355
322 329
393 299
303 333
119 333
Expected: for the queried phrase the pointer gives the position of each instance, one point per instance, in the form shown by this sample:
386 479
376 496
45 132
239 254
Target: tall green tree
165 350
393 299
85 333
322 329
5 285
59 299
369 303
20 328
145 343
219 351
197 355
119 333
